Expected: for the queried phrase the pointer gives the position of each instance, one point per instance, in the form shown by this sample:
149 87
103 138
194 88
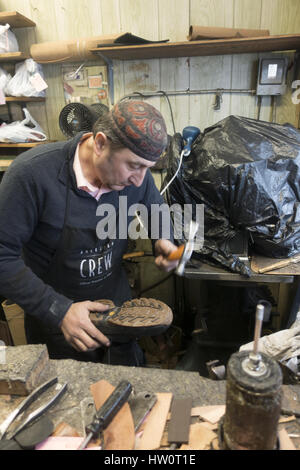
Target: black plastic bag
247 175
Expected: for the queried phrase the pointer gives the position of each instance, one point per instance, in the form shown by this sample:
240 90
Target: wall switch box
271 78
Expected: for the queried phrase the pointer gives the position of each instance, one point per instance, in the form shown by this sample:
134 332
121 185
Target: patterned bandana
140 127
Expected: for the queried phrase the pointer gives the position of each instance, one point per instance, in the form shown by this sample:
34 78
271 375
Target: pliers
26 403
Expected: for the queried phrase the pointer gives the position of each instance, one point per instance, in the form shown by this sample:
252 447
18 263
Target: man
52 262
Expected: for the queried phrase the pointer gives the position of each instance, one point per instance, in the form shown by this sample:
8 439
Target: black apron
85 267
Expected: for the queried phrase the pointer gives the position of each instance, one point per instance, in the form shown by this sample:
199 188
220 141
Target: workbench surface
80 375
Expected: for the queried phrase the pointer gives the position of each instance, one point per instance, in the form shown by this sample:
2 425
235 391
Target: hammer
184 251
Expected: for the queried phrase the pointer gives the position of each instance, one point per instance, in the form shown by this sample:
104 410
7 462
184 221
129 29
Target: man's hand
79 331
163 248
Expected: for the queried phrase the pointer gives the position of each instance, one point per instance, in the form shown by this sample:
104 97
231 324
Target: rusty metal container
253 404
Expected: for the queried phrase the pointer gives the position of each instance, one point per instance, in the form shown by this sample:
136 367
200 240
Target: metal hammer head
188 248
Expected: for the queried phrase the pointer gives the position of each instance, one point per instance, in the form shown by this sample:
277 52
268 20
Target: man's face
117 169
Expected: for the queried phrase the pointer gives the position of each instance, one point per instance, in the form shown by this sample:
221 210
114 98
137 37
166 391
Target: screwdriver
107 412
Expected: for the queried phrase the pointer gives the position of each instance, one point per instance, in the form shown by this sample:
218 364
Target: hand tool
253 398
26 403
107 412
141 403
184 252
189 134
280 264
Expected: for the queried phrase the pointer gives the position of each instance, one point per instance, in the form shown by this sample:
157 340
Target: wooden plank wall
161 19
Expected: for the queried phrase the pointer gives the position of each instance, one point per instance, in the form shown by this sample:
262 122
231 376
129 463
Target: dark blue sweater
32 207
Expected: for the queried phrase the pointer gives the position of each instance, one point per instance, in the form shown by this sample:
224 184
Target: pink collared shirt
82 182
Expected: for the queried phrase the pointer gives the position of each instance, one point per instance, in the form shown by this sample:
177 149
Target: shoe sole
135 318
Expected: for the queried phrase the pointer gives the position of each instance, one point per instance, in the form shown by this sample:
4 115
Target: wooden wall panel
282 17
247 14
44 15
141 18
110 12
211 12
111 24
174 73
78 19
174 19
210 72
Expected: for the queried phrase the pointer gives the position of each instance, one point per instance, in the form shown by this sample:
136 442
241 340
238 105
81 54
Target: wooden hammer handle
271 267
136 254
176 254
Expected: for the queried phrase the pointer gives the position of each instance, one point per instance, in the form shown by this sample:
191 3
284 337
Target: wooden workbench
81 375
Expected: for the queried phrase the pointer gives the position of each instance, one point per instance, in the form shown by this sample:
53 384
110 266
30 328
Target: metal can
253 404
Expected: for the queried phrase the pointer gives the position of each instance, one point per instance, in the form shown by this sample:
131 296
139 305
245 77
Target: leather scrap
200 438
212 413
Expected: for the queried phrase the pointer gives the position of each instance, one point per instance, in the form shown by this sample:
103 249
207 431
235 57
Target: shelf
10 151
15 19
13 56
22 144
201 48
4 164
23 99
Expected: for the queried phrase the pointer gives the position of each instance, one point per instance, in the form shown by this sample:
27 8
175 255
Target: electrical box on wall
271 78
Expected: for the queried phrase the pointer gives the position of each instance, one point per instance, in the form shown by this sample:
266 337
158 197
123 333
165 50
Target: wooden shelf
22 144
15 19
13 56
4 164
202 48
23 99
6 160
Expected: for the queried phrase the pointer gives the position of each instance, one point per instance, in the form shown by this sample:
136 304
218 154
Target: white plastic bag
282 345
4 78
20 84
27 130
8 40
